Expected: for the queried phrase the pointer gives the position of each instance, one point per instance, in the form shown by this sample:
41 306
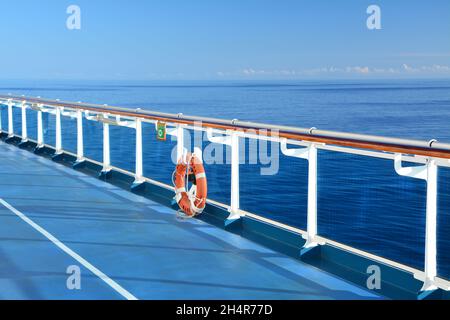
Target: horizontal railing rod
395 145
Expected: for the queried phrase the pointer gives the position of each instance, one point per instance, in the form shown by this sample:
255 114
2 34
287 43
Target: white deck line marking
71 253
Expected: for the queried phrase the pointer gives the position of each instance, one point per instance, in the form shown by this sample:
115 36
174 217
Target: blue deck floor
137 243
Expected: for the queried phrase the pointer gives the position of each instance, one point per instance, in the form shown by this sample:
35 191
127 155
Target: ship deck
128 246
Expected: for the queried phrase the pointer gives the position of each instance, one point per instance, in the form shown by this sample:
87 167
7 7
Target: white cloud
357 69
333 70
437 69
408 68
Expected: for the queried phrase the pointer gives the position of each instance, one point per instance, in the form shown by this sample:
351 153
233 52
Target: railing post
312 198
24 122
106 150
231 140
180 142
139 167
40 131
431 228
80 143
58 140
309 153
178 132
10 119
234 208
428 173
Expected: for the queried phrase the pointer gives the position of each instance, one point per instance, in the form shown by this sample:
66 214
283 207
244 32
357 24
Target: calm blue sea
361 201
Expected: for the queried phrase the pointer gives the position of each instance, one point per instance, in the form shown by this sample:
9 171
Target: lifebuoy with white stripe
192 202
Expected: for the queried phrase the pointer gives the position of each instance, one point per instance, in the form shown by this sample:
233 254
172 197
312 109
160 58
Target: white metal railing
427 172
231 139
309 153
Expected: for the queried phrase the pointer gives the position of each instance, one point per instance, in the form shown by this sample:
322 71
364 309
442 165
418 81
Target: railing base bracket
306 252
311 242
429 286
429 294
58 156
10 139
38 149
231 222
23 144
137 186
105 174
79 164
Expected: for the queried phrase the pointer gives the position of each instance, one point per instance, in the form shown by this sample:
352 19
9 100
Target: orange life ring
193 202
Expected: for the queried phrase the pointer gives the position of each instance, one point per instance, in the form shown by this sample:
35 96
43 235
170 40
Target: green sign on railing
161 131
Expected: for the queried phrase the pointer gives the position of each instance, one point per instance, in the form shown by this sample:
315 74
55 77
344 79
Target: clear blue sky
224 39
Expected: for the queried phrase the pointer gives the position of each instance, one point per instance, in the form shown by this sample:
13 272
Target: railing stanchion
24 122
308 153
431 228
312 198
231 140
80 139
428 173
58 139
234 209
106 149
178 132
40 130
10 119
180 142
139 166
